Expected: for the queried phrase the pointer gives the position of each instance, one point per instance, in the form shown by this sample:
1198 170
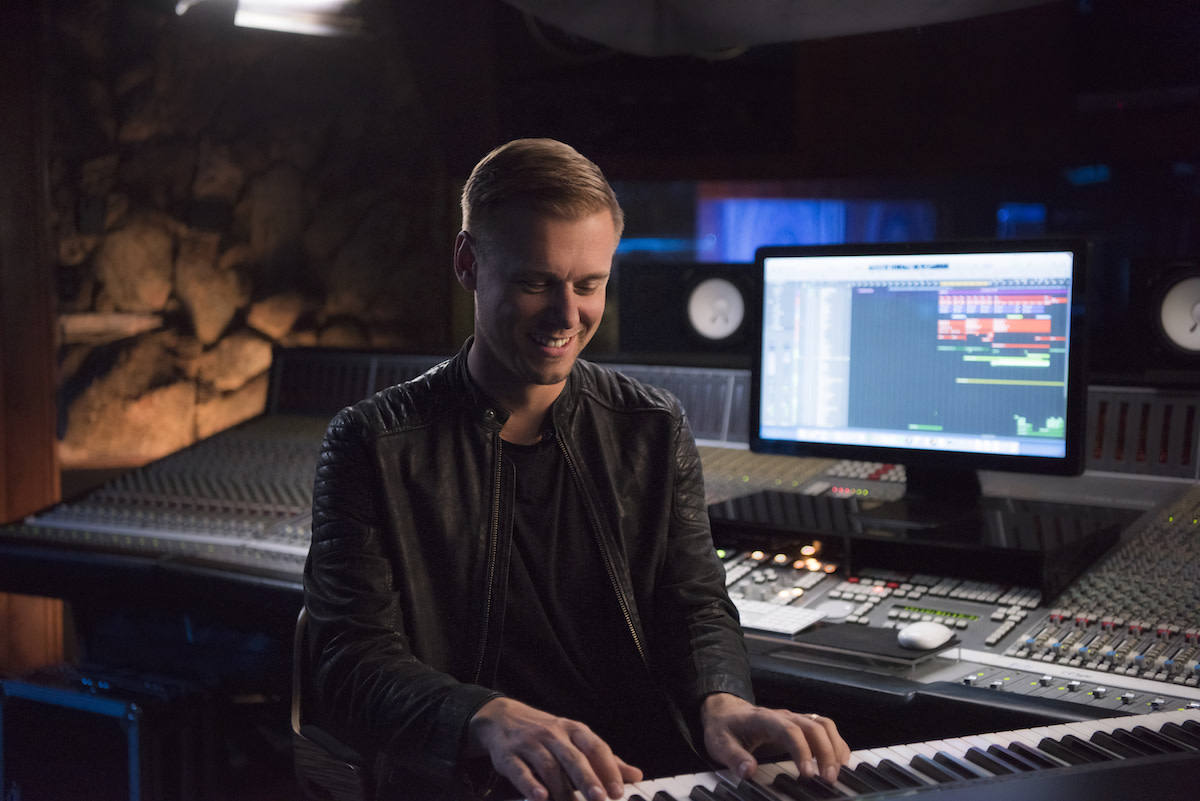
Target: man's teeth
550 342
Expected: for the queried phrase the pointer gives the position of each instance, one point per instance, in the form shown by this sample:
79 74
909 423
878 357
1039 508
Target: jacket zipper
606 555
494 547
622 599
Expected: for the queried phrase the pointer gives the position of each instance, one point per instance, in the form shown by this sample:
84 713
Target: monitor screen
946 358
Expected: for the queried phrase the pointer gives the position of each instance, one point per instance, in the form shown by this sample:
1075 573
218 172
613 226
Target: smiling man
512 587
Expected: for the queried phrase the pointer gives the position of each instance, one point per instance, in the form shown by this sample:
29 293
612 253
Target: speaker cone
1179 314
716 308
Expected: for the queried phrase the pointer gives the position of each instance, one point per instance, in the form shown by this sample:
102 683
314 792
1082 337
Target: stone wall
218 192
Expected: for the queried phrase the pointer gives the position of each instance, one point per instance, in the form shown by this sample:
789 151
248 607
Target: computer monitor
947 358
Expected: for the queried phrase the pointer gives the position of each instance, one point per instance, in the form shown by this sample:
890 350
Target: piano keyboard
1100 760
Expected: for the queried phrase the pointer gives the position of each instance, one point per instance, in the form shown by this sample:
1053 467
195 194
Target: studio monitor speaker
1166 303
691 312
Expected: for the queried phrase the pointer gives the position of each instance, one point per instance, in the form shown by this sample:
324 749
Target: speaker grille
1143 431
717 401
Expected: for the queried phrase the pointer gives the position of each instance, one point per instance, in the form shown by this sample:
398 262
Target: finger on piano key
800 788
815 783
753 790
680 788
765 775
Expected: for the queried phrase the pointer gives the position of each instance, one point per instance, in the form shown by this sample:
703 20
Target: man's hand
547 757
734 728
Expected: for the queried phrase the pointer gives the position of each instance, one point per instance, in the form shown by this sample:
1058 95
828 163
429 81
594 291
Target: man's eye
589 288
533 286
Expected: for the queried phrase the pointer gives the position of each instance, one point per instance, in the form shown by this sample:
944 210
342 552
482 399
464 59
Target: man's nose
564 306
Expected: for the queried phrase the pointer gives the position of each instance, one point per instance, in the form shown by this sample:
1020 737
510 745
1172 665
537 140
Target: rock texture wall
219 191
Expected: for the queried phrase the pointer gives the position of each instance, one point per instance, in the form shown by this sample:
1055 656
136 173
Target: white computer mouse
923 635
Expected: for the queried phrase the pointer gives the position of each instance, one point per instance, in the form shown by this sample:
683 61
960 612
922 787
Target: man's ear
465 263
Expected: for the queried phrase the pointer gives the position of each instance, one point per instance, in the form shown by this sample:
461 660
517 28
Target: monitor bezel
1073 460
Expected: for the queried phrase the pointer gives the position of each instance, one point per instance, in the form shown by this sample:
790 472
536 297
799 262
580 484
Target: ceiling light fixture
309 17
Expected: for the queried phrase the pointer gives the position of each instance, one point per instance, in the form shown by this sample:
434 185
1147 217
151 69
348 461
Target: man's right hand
546 758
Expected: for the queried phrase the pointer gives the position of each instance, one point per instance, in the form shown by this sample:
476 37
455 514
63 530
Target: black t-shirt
567 648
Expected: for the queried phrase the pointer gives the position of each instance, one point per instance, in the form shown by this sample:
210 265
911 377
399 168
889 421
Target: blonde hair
545 175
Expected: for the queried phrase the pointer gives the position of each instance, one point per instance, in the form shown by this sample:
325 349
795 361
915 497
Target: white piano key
681 786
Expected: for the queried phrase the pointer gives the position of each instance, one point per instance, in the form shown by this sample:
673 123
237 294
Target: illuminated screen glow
947 352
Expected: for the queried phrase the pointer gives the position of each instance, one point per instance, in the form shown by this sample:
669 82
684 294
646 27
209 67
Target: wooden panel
28 469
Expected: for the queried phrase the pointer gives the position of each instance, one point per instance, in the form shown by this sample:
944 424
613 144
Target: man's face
539 296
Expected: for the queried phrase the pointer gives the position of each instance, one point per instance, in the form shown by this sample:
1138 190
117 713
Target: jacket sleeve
369 686
704 648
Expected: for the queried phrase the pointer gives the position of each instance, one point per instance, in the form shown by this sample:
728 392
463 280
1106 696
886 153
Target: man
512 588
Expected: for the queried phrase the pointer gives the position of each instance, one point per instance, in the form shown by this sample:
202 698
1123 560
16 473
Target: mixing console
1138 612
241 499
1125 634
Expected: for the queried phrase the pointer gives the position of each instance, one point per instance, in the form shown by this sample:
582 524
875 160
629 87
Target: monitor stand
933 497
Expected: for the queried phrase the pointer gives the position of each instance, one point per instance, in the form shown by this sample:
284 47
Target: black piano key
1098 753
959 767
989 763
1191 725
636 797
818 787
1139 744
900 774
857 782
878 777
1163 743
723 792
799 789
1106 740
702 793
1049 745
751 790
1017 761
1040 758
1177 732
933 770
663 795
827 788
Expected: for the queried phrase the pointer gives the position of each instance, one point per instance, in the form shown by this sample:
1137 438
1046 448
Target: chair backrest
326 768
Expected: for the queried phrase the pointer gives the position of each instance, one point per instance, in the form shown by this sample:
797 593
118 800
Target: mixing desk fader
241 499
1123 636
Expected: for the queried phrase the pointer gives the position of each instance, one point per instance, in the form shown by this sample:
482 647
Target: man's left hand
734 728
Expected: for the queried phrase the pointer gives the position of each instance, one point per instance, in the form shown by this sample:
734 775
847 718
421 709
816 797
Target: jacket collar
488 411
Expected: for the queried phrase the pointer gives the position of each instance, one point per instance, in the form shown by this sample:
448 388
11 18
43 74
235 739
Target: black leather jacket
409 554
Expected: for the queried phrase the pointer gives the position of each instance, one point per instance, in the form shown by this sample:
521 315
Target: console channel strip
1125 636
241 499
